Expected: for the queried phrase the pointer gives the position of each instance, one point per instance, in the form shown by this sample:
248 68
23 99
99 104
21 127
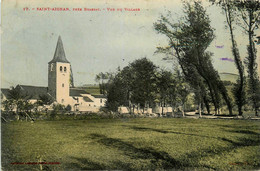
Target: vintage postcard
130 85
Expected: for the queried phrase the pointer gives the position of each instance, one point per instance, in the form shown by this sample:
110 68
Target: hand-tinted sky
93 41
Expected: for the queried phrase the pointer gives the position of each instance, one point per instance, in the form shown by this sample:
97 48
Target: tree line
190 36
144 84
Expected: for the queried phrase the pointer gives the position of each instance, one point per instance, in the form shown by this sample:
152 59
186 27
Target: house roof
77 92
99 96
33 92
87 99
5 92
59 55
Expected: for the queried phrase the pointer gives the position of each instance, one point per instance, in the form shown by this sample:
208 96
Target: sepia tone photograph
130 85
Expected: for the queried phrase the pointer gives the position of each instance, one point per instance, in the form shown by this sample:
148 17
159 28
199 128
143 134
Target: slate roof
77 92
59 55
99 96
4 91
87 99
33 92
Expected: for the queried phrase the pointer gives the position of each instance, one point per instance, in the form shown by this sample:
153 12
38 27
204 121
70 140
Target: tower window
62 84
60 68
100 100
62 100
51 67
65 69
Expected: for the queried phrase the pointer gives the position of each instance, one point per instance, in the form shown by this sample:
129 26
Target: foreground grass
132 144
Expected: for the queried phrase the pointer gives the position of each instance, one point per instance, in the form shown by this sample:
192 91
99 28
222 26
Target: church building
60 86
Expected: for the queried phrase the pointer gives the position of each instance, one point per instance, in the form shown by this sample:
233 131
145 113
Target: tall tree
117 93
230 14
182 91
102 79
144 82
166 88
190 38
250 14
18 100
71 78
135 85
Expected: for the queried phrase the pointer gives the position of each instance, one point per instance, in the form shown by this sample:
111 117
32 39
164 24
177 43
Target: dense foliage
142 84
189 38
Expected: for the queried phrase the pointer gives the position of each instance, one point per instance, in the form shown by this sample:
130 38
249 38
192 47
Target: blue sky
93 41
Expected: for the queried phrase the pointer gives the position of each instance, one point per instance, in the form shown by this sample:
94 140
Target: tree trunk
206 104
130 107
200 110
251 64
162 108
215 111
229 106
211 89
183 113
27 115
3 118
238 61
172 110
223 91
240 112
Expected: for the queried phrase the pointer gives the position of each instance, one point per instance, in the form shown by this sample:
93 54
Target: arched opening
65 69
51 67
60 68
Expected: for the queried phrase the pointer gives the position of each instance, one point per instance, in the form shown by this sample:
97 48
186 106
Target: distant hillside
89 85
94 88
91 88
228 76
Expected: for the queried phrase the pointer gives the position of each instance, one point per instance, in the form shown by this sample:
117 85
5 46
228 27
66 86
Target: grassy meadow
132 144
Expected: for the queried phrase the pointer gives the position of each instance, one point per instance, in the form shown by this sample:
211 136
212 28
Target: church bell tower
59 75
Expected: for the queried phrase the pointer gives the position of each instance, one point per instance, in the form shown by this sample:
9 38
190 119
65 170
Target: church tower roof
59 55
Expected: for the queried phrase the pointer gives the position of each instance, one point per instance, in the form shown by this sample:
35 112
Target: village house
59 86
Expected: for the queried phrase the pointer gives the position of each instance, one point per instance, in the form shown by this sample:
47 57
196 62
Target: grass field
132 144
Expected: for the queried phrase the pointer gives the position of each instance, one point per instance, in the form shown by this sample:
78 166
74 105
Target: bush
56 109
68 108
104 109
